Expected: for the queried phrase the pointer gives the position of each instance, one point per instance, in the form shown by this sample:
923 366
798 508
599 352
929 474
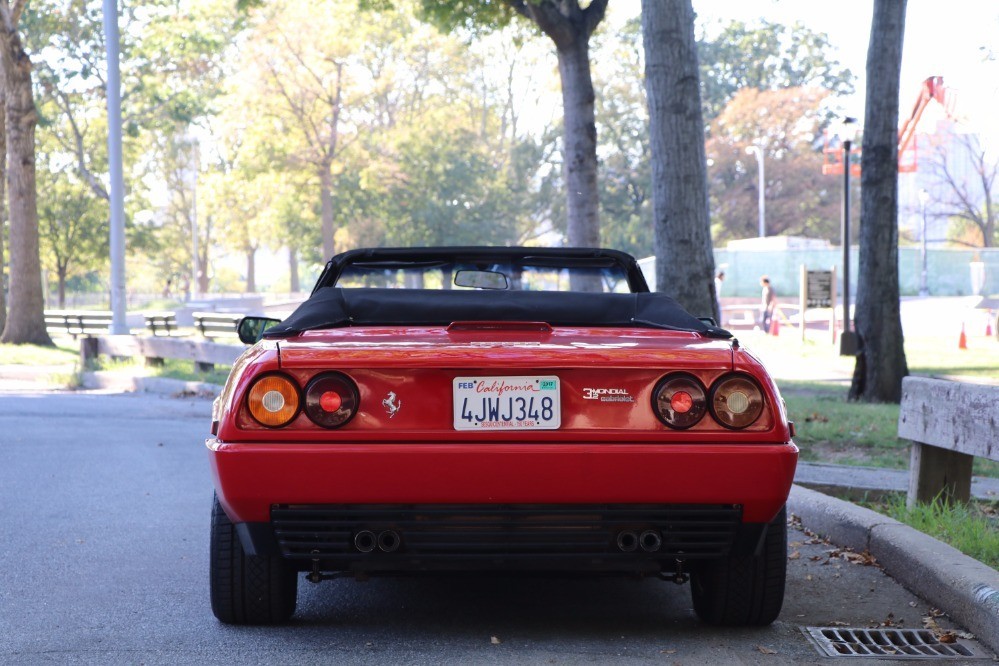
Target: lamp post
847 341
119 323
924 198
761 204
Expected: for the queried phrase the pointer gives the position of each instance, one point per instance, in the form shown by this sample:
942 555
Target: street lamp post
761 203
119 323
847 341
924 291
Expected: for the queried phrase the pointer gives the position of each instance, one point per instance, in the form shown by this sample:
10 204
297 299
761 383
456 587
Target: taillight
273 400
331 399
679 400
736 401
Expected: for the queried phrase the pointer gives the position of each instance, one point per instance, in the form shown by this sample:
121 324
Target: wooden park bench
949 424
77 322
217 324
161 323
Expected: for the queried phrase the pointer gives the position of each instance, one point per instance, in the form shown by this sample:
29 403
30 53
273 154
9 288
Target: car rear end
502 446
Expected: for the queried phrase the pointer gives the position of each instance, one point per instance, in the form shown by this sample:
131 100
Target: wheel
247 589
745 590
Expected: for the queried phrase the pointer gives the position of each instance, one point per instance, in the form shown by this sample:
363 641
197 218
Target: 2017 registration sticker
507 403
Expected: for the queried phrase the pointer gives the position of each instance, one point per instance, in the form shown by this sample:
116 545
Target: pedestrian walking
768 303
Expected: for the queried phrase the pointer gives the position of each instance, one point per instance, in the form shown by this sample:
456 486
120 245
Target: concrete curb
963 587
115 381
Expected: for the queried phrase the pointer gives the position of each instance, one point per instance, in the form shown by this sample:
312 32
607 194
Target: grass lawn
66 352
972 529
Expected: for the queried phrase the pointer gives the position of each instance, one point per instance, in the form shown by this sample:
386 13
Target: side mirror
251 329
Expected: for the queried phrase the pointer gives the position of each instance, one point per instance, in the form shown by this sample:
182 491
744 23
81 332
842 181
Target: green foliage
766 56
622 129
471 16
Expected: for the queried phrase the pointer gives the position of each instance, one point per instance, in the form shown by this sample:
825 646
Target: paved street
104 548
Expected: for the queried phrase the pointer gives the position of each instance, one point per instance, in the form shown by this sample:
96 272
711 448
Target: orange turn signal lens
274 401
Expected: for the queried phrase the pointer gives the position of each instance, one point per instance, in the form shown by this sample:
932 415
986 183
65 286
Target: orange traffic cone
775 327
962 341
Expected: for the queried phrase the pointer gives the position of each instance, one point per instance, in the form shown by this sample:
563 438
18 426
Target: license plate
507 403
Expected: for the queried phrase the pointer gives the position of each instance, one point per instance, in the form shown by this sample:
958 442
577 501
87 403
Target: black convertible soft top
333 307
579 258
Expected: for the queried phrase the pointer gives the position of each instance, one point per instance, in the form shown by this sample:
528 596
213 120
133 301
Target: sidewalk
856 483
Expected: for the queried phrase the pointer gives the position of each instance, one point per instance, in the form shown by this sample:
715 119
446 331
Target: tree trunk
61 272
569 26
26 320
881 361
202 280
251 270
326 204
296 285
580 145
684 260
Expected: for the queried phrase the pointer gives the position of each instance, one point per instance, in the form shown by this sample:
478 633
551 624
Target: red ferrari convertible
497 409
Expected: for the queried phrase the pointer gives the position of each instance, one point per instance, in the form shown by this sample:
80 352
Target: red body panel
251 477
603 452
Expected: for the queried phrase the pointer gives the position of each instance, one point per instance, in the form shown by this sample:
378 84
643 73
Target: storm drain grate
885 643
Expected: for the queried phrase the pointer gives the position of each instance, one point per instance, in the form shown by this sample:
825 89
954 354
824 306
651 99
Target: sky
942 38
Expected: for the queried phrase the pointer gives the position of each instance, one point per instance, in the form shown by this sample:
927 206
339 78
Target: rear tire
744 590
247 589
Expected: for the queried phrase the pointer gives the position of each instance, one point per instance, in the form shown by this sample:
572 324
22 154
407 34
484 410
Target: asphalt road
104 515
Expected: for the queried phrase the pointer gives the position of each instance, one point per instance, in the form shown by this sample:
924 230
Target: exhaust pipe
627 541
389 541
365 541
651 541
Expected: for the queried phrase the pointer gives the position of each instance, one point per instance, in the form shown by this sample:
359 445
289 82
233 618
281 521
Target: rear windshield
584 275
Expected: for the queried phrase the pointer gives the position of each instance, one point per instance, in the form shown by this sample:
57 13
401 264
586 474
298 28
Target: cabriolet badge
390 404
607 394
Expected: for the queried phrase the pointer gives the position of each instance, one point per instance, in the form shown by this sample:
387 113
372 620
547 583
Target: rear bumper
609 508
251 478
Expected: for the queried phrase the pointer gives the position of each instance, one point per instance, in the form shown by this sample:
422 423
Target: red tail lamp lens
331 399
679 401
273 400
736 401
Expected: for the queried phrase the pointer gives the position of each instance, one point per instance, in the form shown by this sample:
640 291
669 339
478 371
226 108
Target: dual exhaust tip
628 541
387 541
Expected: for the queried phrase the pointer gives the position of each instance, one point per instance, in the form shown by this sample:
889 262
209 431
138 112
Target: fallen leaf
765 650
966 635
795 555
808 577
494 640
948 637
913 604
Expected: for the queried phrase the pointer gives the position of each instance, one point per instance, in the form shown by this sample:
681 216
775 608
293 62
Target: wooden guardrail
77 322
203 353
949 424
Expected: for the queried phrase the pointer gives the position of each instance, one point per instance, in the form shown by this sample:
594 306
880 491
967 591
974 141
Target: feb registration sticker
507 403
